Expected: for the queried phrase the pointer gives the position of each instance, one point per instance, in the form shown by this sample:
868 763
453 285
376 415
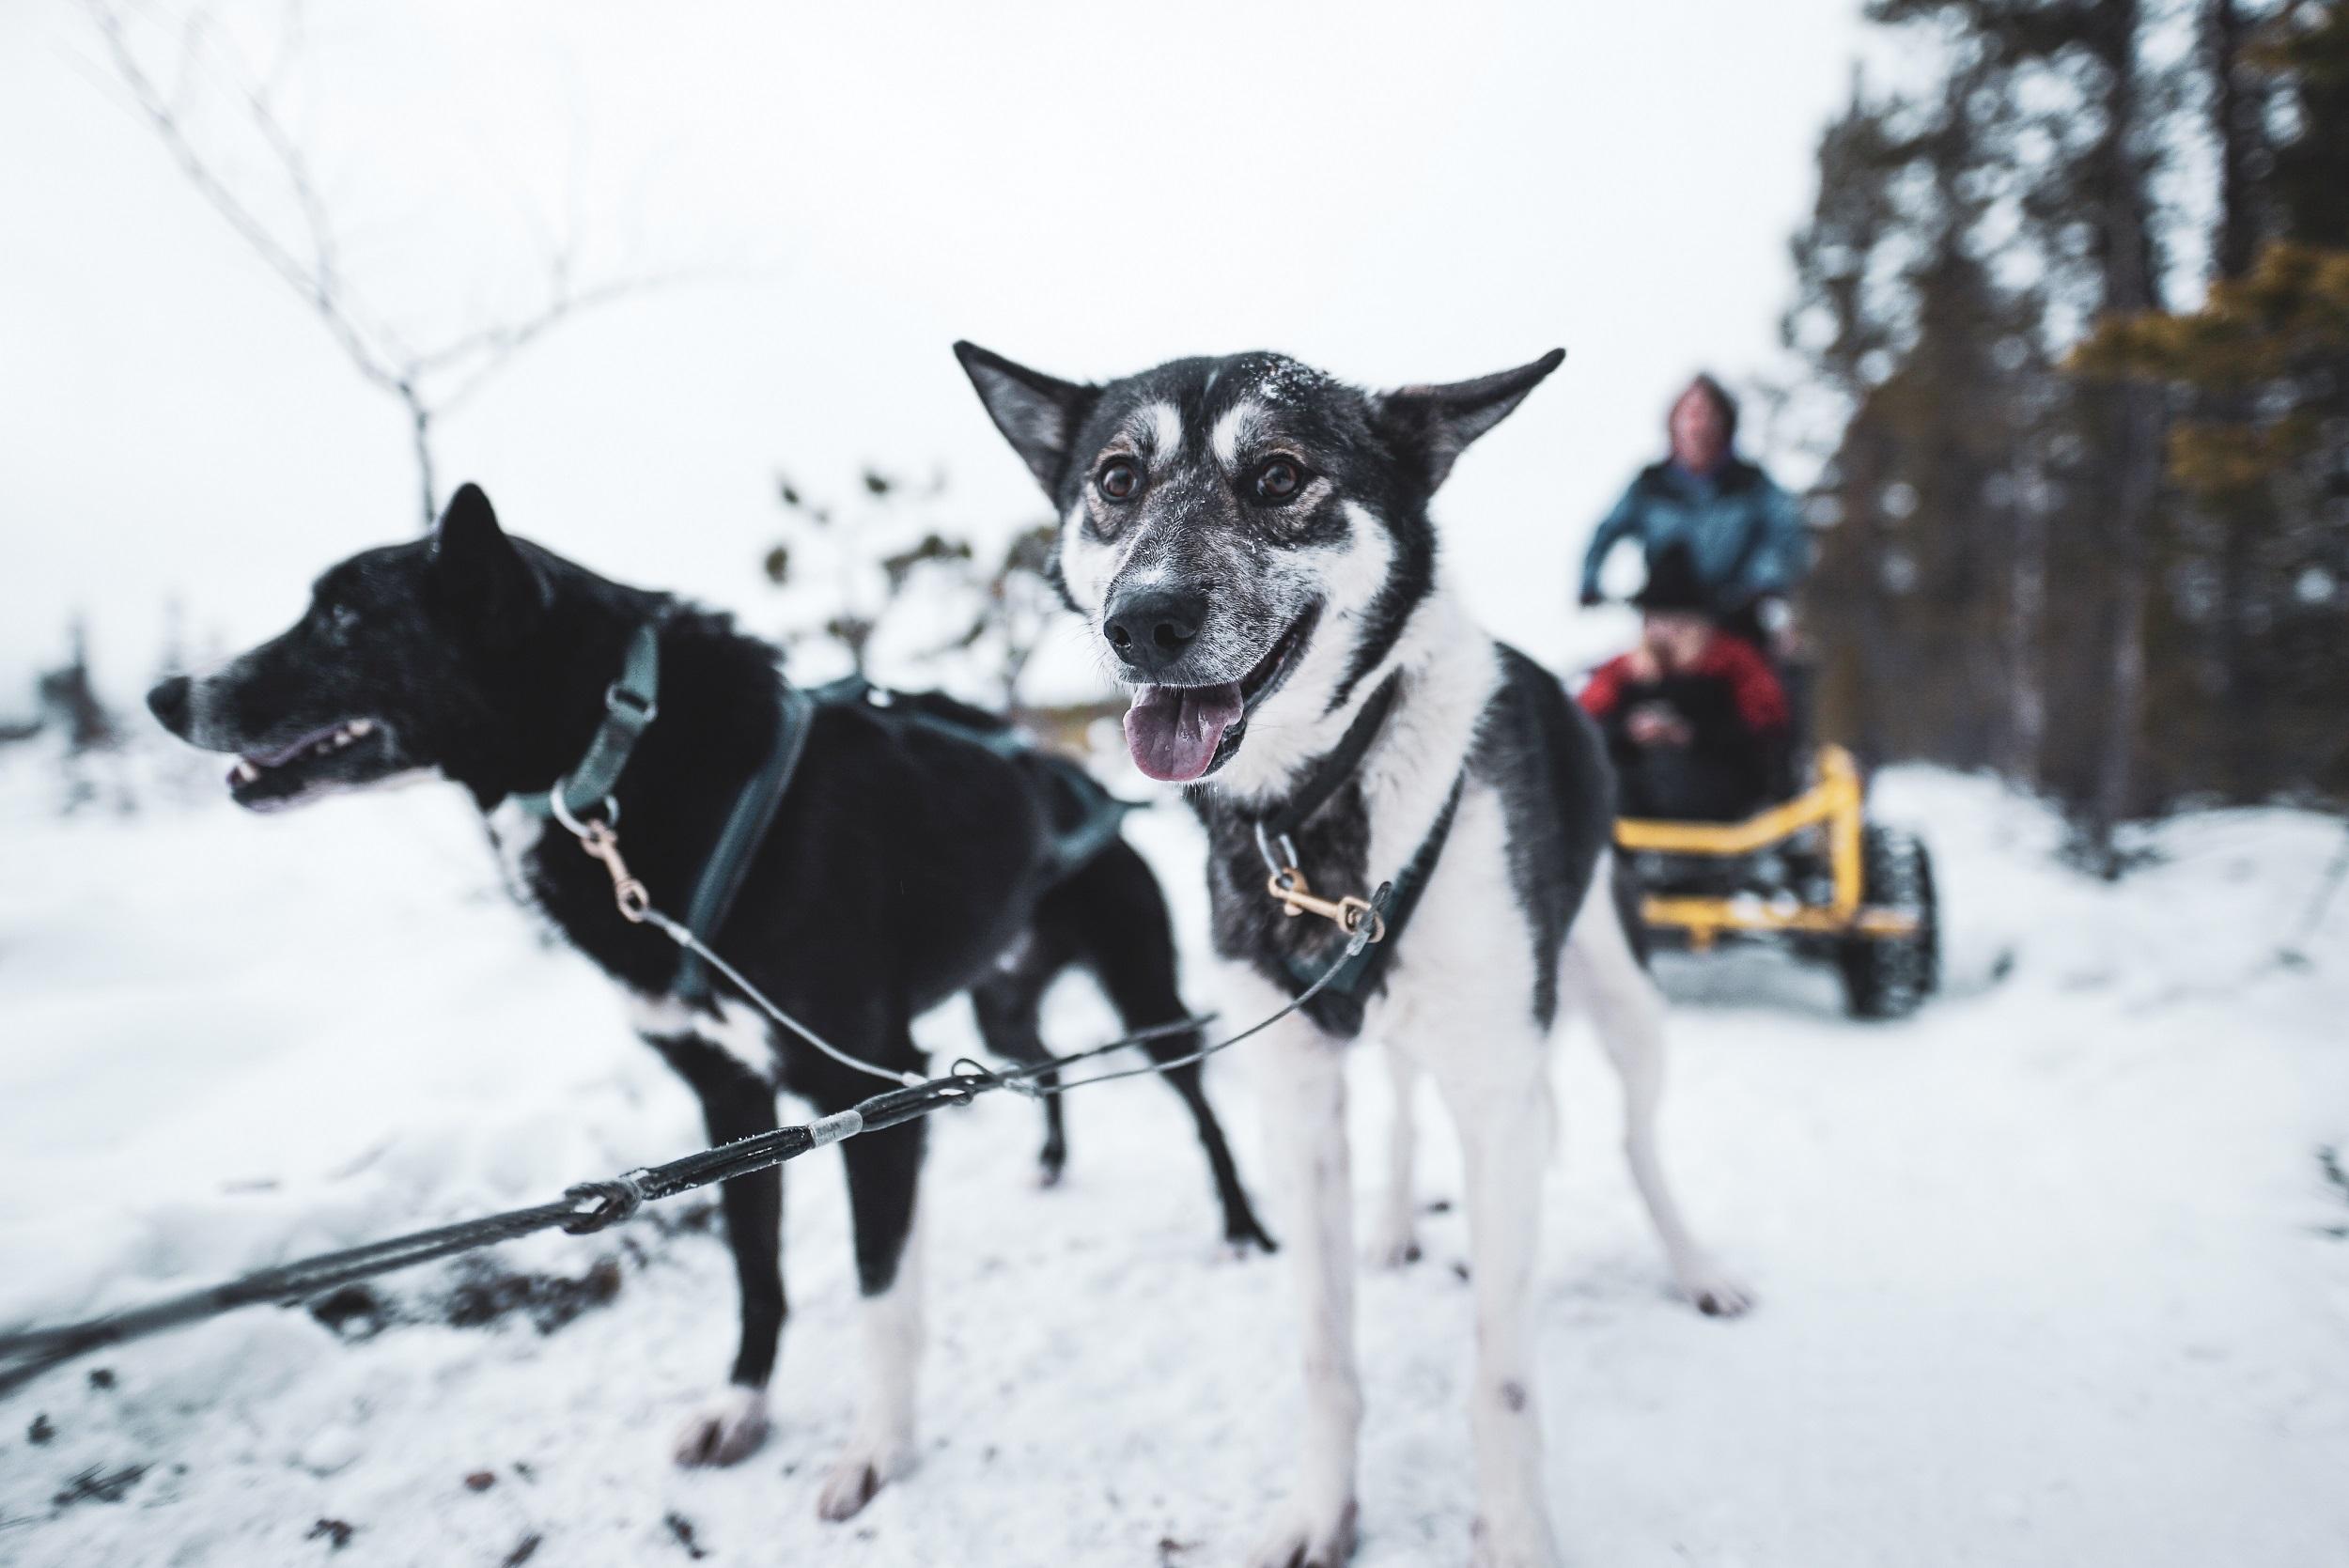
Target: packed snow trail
2051 1274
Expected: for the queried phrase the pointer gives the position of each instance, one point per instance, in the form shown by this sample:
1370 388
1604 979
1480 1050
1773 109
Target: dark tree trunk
2123 197
2235 120
2237 115
2026 664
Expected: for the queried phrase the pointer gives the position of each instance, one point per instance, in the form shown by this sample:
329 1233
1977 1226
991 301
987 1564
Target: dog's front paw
858 1475
1300 1543
1713 1290
726 1430
1050 1165
1244 1238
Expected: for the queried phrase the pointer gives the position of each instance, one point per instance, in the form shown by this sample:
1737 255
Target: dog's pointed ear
479 571
1038 413
468 532
1433 425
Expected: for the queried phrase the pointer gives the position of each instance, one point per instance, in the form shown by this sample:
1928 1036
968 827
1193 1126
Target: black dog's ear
1038 413
468 529
1434 425
478 569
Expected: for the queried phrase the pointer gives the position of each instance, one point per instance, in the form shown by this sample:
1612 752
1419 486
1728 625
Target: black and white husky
906 863
1250 539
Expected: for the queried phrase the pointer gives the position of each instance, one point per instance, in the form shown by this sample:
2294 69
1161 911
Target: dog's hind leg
738 1102
884 1177
1627 1011
1302 1072
1241 1229
1114 915
1007 1004
1394 1239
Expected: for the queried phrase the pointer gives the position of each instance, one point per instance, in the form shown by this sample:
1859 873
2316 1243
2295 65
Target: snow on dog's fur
1250 539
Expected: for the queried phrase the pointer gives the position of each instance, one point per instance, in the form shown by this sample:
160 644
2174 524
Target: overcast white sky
1394 193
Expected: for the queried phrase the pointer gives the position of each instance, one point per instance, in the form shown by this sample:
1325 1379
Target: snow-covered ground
2051 1274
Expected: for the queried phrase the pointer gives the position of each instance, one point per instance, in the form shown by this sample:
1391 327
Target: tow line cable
592 1206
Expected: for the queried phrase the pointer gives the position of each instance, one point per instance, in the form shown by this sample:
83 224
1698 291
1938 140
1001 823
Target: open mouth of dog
1181 734
344 754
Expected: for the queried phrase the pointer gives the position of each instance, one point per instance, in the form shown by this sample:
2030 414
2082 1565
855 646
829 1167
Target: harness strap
1339 765
585 793
629 709
1360 976
1104 816
746 828
1071 846
1346 987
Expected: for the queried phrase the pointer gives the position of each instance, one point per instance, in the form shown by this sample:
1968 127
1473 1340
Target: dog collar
1335 768
629 709
1340 1007
586 792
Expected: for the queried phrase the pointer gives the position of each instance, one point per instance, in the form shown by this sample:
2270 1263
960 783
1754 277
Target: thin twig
429 384
165 120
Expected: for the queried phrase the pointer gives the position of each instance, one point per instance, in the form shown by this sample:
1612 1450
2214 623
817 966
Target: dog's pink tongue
1173 731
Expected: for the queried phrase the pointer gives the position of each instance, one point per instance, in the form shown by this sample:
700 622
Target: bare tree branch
429 384
494 347
164 118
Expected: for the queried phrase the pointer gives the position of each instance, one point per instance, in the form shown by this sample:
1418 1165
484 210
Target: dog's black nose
1151 627
168 702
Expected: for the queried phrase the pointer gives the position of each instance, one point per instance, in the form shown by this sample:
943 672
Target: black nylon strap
1339 765
1072 846
1358 977
754 809
1339 1007
746 828
629 707
1104 816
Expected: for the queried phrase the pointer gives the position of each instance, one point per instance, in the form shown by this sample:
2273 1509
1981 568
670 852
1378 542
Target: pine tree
2116 574
2265 366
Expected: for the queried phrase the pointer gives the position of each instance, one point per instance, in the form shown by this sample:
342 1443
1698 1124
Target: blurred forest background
2069 346
2082 289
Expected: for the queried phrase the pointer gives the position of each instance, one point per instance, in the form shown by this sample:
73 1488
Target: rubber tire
1889 977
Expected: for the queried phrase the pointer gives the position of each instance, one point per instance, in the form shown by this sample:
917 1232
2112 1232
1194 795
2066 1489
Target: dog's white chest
516 834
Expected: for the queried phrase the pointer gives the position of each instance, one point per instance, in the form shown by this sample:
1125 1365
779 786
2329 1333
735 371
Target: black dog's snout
168 702
1151 628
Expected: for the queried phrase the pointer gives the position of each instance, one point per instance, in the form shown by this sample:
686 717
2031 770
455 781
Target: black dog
906 863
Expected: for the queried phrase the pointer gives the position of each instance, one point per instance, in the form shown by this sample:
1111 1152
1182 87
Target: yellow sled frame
1836 802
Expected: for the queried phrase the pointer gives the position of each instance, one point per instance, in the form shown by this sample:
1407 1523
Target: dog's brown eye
1118 481
1277 480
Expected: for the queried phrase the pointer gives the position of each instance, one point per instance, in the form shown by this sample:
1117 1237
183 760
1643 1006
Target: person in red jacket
1694 717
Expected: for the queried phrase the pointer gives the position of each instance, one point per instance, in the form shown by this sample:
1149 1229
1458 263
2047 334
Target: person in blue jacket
1744 533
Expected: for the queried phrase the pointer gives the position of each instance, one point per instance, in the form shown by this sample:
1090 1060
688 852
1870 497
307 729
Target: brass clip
598 839
1288 885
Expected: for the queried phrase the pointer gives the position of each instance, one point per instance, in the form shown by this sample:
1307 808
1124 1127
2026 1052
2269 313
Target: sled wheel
1889 977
